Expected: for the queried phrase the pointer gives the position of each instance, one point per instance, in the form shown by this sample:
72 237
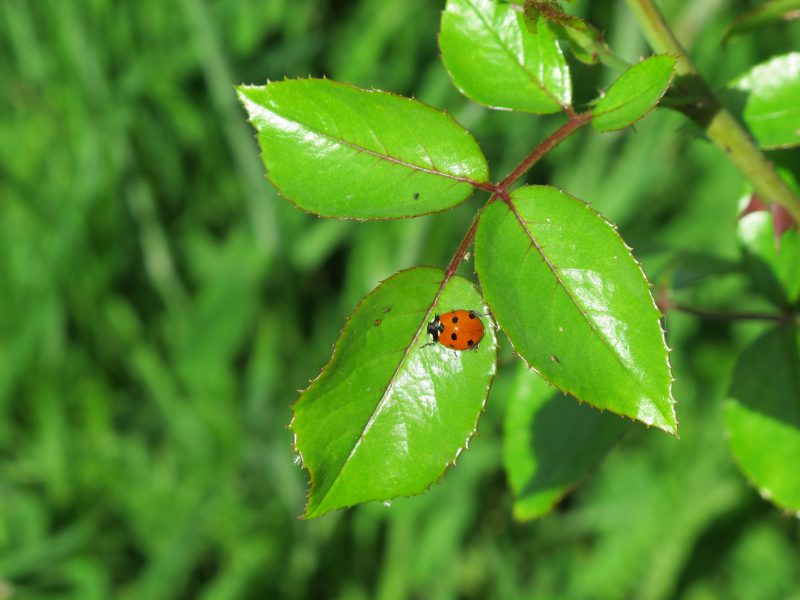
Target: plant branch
786 319
576 121
461 251
485 186
705 109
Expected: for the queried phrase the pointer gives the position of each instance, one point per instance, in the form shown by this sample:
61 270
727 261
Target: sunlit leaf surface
340 151
551 442
768 97
575 304
494 59
388 414
763 417
634 94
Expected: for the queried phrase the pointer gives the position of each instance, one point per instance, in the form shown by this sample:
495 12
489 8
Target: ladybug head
435 328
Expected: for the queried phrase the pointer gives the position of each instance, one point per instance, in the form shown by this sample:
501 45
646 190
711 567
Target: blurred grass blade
496 60
634 94
575 304
217 72
763 417
388 414
551 442
340 151
768 99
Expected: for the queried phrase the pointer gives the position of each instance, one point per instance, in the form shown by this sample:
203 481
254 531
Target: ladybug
459 329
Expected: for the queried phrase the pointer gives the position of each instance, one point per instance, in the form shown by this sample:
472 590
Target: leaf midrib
556 274
360 148
386 394
530 75
625 103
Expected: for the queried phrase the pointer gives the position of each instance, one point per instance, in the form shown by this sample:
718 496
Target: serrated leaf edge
310 515
649 110
246 102
670 398
559 106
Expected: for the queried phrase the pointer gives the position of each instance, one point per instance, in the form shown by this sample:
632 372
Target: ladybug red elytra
458 330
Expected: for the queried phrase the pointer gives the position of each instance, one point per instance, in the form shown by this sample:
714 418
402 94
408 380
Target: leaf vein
387 157
556 273
386 393
530 75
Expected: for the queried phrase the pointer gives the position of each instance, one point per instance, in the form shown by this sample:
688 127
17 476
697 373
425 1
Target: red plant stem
554 139
575 122
788 318
462 249
485 186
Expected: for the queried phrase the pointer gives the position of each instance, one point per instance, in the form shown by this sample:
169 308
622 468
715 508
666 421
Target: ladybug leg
477 314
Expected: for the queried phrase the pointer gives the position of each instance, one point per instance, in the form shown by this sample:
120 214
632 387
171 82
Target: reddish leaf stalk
575 122
462 249
554 139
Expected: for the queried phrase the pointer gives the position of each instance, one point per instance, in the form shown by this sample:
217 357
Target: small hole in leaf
376 322
416 196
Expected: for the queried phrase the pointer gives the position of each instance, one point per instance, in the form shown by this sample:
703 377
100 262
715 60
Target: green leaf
339 151
388 414
772 259
494 59
551 442
768 13
763 417
585 42
635 93
768 97
575 304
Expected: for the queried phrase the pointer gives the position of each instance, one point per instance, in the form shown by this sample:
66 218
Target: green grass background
160 305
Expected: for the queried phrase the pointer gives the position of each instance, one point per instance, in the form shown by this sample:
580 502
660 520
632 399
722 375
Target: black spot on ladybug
455 319
470 342
453 347
376 322
416 196
471 315
454 337
387 309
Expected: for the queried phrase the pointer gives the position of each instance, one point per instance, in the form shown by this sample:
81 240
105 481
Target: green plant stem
705 109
